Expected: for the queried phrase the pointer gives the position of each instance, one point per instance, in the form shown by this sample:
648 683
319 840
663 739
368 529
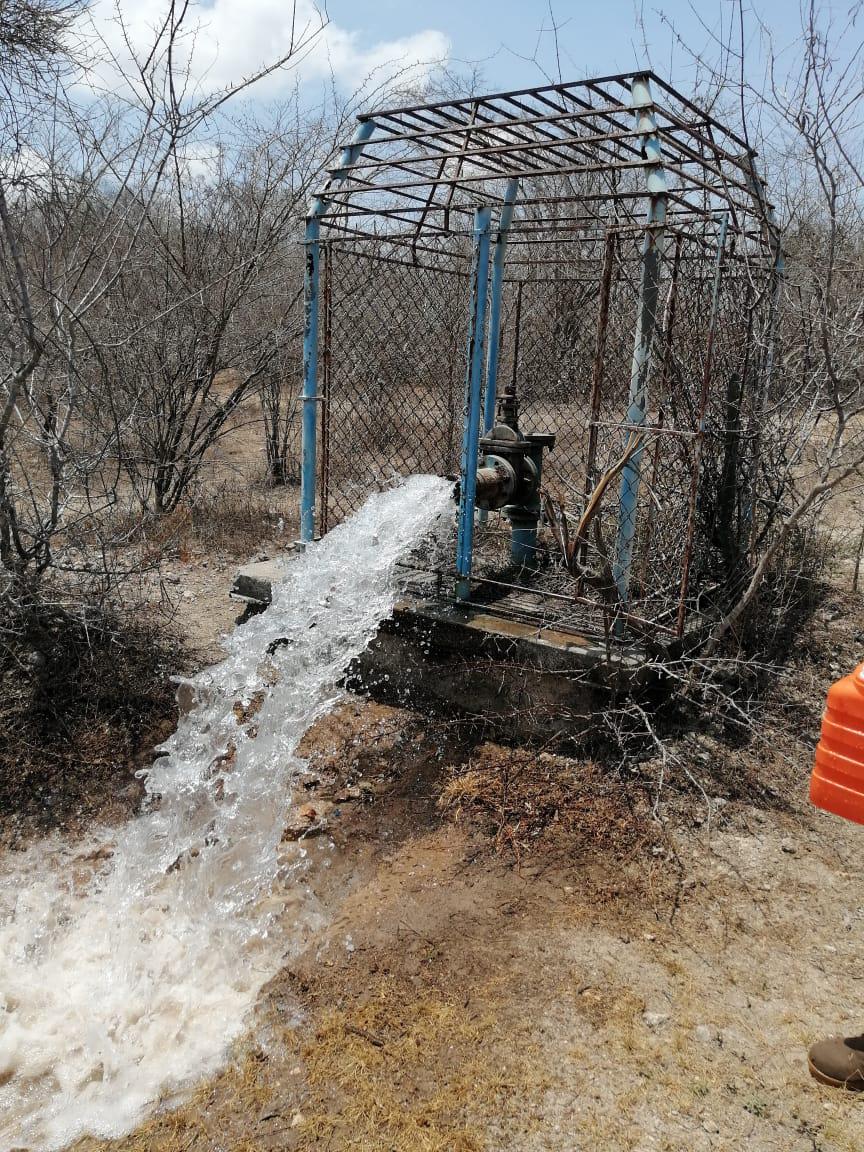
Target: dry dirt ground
518 955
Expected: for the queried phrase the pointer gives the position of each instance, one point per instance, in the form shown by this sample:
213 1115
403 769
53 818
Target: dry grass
230 518
521 796
406 1072
393 1068
80 701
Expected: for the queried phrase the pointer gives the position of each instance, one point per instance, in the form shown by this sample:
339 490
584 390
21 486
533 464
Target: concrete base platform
530 682
253 584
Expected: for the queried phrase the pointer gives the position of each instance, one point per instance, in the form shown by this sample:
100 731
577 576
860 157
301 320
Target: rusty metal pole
496 291
700 428
597 368
669 313
599 360
517 337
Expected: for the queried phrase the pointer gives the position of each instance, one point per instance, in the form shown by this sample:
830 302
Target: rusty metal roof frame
414 175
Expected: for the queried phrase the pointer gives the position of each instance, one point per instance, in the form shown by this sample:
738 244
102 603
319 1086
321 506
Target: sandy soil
599 979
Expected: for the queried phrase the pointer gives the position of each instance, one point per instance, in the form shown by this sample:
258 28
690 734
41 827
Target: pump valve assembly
509 476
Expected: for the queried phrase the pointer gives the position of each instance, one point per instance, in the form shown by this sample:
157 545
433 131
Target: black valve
509 477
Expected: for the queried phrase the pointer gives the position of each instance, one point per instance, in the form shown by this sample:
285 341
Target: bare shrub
80 698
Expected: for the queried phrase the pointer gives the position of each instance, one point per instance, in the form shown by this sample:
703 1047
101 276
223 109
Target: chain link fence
393 363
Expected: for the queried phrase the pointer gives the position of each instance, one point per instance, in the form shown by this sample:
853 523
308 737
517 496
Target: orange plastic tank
837 783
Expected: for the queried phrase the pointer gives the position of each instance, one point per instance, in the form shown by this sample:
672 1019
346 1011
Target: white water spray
122 985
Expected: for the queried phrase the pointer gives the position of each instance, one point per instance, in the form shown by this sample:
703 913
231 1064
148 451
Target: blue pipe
643 105
495 293
473 391
309 450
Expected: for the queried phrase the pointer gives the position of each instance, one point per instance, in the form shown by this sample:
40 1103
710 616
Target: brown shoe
838 1062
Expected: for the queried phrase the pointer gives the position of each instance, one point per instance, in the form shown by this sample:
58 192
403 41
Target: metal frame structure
561 176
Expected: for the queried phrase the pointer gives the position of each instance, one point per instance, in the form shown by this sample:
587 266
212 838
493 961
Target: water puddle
128 963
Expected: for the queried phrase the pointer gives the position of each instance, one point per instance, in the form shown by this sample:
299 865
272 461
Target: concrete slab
530 682
253 584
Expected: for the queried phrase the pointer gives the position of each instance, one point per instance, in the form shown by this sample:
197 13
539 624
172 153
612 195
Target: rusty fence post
669 313
700 427
597 368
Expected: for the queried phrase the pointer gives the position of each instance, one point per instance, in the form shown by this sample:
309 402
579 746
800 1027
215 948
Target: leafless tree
199 323
813 416
111 255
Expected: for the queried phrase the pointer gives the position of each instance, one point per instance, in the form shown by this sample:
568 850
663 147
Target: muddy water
127 965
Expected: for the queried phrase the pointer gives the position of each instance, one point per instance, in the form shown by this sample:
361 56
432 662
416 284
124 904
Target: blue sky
509 43
595 37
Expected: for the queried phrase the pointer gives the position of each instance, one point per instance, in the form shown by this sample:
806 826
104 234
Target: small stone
704 1034
789 847
185 695
347 795
308 820
298 1118
171 578
103 852
655 1019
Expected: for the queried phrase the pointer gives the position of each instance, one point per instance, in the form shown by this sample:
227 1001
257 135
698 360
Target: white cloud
227 40
26 170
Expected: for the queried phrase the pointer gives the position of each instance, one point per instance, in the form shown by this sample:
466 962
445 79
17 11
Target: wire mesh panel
394 361
393 376
549 359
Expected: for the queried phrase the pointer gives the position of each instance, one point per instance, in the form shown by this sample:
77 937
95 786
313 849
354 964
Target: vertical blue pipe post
643 106
309 442
309 450
473 398
495 293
